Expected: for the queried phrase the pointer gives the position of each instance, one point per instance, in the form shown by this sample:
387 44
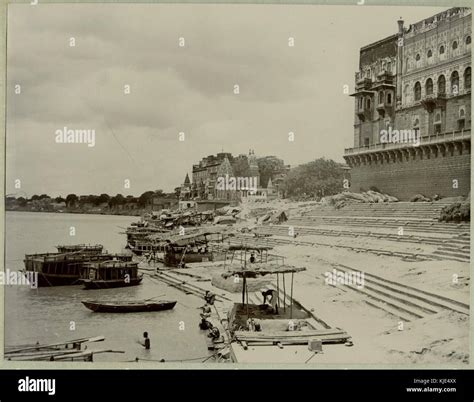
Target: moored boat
81 248
129 306
201 246
272 322
110 274
64 267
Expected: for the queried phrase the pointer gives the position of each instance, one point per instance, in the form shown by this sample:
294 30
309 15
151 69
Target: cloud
174 89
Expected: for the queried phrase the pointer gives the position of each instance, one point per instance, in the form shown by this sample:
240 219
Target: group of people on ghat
205 324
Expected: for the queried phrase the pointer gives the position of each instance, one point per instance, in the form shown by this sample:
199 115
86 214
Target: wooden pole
247 294
284 293
278 290
243 289
291 306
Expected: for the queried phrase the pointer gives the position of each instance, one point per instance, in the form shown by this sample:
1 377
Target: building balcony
385 77
452 136
431 101
364 113
384 108
363 83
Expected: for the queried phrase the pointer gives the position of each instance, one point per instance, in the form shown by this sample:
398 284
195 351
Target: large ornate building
209 170
418 82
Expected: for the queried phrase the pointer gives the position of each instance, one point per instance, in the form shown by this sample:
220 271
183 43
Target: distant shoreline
112 213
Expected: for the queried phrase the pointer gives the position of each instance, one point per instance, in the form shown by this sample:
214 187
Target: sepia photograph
237 185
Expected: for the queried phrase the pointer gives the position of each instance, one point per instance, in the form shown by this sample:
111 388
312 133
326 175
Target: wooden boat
129 306
81 248
110 274
69 350
276 322
201 246
64 267
140 234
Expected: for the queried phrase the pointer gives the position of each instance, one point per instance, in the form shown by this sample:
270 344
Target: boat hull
63 270
175 259
45 280
129 307
118 283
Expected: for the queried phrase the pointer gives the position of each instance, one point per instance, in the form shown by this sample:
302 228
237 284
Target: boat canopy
252 270
247 247
198 236
111 264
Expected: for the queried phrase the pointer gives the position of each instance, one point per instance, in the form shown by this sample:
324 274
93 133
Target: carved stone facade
418 81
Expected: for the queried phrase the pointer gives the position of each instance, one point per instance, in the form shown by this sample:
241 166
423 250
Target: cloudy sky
176 89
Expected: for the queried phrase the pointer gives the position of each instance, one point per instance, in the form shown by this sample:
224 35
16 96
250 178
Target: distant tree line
79 201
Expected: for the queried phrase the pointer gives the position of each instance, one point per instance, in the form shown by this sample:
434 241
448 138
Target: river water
56 314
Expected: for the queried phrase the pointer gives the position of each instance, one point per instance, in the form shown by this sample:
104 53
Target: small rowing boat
129 306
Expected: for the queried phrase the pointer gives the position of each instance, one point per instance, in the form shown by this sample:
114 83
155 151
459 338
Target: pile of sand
439 338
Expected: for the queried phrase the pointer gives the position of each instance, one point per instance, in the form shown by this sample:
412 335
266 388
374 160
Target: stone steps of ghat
309 230
455 250
452 255
445 244
434 227
429 210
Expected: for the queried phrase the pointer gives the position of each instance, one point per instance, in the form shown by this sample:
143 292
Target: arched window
406 94
416 126
468 40
455 45
429 86
441 49
467 79
455 83
461 120
437 123
389 98
380 97
367 103
417 91
441 84
418 57
430 53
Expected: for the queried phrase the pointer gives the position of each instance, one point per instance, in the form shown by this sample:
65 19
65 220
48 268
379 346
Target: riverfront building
243 168
417 82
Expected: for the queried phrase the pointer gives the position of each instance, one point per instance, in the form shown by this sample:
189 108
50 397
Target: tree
318 178
117 200
241 167
71 200
59 199
21 201
146 198
131 199
104 198
267 168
